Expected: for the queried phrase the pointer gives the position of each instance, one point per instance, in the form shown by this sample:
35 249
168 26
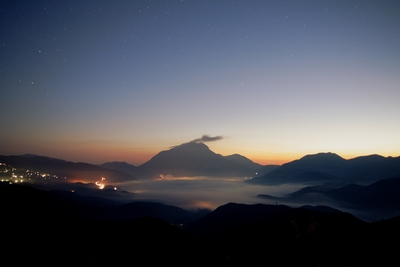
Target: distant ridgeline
329 167
40 167
196 159
188 160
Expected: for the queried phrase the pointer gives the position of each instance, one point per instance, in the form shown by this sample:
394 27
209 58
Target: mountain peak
190 148
191 145
323 155
193 159
318 161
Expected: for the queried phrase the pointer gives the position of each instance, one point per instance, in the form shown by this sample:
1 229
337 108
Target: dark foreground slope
49 229
140 242
264 235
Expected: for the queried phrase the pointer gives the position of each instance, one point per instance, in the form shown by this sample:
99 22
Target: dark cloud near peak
203 139
207 138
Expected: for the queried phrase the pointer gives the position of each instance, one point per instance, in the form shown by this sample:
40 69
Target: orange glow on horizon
270 161
74 181
203 204
99 153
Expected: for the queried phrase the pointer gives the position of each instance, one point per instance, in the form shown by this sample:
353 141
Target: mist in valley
204 192
193 193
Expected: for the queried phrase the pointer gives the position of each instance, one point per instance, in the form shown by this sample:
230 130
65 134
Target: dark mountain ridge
329 167
72 171
196 159
381 195
53 229
232 235
168 213
122 167
242 160
265 235
380 199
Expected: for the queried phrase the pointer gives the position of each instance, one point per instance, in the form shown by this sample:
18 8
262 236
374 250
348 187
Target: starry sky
99 81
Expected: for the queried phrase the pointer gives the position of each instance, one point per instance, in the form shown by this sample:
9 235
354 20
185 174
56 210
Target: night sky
99 81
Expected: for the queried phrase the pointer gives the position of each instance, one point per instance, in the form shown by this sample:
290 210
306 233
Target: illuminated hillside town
19 175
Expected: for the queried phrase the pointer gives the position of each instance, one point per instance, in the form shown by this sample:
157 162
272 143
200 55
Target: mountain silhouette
52 229
265 235
244 161
368 169
167 213
379 199
196 159
76 231
234 215
381 195
329 167
231 216
72 171
266 169
122 167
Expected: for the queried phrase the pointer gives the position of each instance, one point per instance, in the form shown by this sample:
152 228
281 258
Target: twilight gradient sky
99 81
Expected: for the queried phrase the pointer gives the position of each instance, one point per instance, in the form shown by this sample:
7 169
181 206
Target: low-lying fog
210 193
203 192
